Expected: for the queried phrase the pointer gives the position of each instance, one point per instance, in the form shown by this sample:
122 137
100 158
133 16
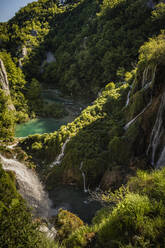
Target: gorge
82 141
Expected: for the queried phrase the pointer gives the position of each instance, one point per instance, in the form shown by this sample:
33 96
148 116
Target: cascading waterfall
83 176
61 155
145 76
30 187
157 132
134 119
144 86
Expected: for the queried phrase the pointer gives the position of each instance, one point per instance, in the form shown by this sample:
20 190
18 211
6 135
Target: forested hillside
92 42
77 47
112 54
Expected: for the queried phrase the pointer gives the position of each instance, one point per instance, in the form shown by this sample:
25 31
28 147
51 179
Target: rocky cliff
4 83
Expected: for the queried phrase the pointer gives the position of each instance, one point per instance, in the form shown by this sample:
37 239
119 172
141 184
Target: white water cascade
157 132
30 187
83 176
145 74
145 77
161 160
61 155
128 97
134 119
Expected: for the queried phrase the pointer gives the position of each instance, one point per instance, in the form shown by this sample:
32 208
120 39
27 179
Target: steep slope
16 226
112 136
133 218
91 42
78 48
14 107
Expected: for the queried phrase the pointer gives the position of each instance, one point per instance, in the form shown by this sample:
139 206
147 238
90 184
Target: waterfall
146 86
157 132
161 160
145 75
128 97
61 155
30 187
134 119
83 176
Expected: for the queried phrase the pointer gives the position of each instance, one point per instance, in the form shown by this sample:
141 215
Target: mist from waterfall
30 187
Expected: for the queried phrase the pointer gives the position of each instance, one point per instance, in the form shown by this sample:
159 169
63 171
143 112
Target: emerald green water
40 126
49 125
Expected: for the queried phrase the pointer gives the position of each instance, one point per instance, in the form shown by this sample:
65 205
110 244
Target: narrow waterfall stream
30 187
161 160
157 132
128 98
145 85
83 176
145 74
61 155
134 119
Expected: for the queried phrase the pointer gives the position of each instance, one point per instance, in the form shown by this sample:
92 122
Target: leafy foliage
7 118
88 138
137 219
66 223
17 229
90 45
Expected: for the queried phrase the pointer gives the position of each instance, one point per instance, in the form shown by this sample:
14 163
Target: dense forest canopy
111 53
91 43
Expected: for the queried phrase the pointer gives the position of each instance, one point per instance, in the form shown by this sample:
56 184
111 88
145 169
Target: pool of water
75 201
40 126
48 125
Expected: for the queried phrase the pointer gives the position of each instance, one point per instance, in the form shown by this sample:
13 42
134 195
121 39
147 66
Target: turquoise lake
40 126
49 125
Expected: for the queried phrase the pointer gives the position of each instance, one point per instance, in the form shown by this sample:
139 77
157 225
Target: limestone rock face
24 52
4 83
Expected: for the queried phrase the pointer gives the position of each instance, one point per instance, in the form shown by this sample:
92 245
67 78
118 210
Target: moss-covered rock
66 223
